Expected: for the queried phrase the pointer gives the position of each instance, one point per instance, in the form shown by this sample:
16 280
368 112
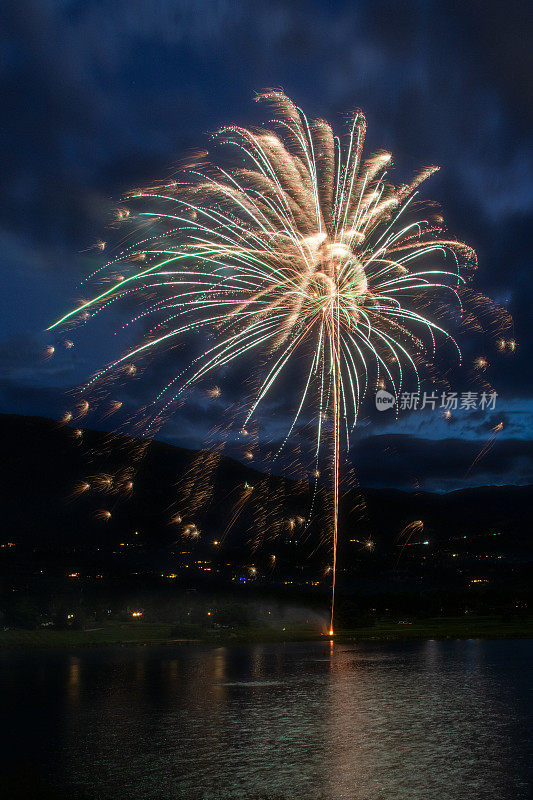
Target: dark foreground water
432 720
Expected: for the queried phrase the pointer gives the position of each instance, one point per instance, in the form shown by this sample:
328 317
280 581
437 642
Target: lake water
426 720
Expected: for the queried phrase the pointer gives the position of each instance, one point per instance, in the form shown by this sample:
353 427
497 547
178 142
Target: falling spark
80 488
103 482
191 530
114 406
405 535
487 447
82 408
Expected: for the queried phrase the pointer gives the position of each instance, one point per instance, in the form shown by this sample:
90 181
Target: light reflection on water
302 721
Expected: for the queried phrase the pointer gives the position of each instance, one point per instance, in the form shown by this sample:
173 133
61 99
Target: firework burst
303 253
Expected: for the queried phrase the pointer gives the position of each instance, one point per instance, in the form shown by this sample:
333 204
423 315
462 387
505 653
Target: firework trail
301 254
406 534
487 447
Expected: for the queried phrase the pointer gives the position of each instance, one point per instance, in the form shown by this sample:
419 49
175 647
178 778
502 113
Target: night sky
99 96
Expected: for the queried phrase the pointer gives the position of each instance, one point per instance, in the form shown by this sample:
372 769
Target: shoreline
150 634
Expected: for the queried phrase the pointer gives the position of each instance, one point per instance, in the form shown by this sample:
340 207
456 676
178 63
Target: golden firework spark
304 252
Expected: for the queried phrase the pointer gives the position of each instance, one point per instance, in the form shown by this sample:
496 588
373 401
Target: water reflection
73 681
406 722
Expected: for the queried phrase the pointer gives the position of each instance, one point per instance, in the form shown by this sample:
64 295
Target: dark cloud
409 463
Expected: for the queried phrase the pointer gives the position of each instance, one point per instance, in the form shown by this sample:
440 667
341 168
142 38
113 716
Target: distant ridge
42 461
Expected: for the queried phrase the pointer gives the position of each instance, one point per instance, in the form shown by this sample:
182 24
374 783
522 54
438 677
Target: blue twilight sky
99 96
